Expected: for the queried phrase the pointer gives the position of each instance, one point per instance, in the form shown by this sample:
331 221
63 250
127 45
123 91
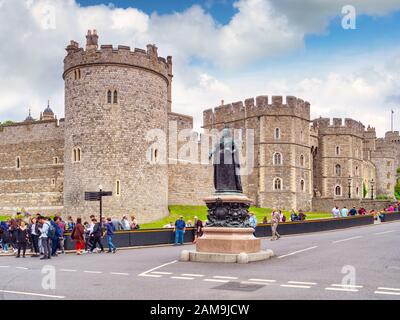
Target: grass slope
188 213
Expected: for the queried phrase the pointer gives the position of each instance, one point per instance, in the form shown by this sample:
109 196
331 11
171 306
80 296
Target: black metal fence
148 237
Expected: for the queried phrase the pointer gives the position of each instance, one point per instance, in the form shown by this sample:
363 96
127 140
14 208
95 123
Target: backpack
51 232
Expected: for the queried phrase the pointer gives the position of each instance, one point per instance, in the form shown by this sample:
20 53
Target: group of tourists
353 211
45 236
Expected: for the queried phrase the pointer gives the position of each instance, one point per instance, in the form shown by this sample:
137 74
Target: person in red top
78 236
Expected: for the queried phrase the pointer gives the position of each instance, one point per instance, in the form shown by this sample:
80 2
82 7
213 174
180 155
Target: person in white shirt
44 238
345 212
125 223
335 212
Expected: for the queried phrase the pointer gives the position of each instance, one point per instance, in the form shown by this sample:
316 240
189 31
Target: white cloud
35 33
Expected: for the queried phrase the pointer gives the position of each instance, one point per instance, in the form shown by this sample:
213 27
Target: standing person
180 226
198 229
110 233
34 232
353 211
134 223
275 218
253 222
77 235
13 234
344 212
22 238
44 239
125 223
335 212
87 236
61 239
96 236
54 236
5 236
70 224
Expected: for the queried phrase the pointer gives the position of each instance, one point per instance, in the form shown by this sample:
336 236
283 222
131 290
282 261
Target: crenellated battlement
339 125
78 57
255 107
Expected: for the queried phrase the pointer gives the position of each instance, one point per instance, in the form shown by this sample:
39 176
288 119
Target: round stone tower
113 99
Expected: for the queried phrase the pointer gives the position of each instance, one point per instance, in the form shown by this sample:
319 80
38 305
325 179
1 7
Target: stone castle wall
37 186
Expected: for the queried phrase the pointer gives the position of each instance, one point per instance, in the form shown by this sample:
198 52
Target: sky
222 50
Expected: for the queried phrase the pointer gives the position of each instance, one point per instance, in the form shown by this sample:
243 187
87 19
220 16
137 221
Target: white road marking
341 289
215 280
68 270
348 239
262 280
192 275
256 282
183 278
387 292
295 252
222 277
96 272
32 294
159 267
4 266
119 273
301 282
346 285
150 275
159 272
21 268
392 289
384 232
295 286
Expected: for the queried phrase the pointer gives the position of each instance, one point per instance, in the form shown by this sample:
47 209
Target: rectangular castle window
118 188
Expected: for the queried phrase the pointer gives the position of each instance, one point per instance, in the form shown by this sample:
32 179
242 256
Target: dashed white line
348 239
393 289
192 275
215 280
387 292
4 266
95 272
301 282
150 275
21 268
262 280
119 273
295 252
68 270
33 294
384 232
346 285
341 289
183 278
295 286
163 273
223 277
256 282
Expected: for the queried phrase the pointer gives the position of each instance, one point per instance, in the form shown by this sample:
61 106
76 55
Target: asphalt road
357 263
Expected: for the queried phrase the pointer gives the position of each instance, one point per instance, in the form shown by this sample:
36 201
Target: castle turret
47 114
114 99
29 118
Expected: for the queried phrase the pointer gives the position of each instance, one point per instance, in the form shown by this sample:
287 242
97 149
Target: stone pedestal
228 236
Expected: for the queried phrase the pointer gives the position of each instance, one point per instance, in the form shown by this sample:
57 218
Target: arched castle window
53 182
18 163
338 170
277 133
338 191
356 173
115 97
79 73
302 160
109 97
55 160
76 154
277 184
302 185
357 191
337 150
277 160
118 187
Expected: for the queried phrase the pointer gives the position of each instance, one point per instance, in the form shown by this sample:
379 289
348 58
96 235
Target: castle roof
48 109
29 118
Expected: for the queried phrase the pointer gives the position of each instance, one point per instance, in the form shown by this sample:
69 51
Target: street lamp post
349 187
372 189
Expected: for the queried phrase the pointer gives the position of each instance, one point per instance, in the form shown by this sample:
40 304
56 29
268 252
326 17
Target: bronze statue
226 165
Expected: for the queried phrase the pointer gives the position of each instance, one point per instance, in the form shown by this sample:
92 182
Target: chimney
92 40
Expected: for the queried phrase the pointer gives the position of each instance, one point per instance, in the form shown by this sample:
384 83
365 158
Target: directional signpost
98 196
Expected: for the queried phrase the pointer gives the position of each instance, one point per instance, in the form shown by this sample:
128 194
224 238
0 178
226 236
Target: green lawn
188 213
